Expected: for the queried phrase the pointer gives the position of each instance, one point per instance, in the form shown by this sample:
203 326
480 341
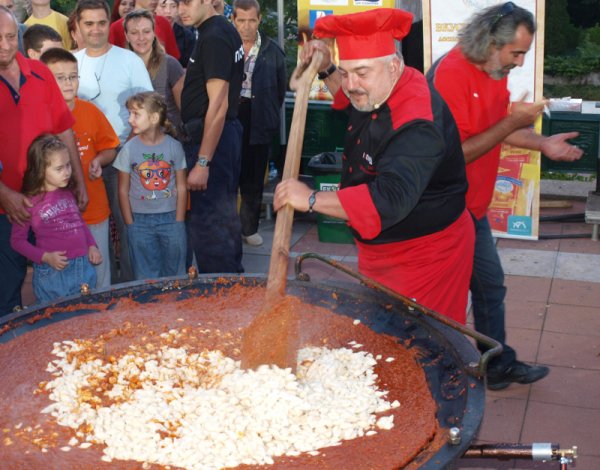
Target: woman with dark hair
165 71
121 8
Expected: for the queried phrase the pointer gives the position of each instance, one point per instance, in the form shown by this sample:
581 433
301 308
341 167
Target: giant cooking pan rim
459 394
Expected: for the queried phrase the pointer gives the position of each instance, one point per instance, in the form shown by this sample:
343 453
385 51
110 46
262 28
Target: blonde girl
64 249
152 190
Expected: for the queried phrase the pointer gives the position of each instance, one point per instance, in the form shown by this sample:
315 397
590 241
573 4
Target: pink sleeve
89 238
20 243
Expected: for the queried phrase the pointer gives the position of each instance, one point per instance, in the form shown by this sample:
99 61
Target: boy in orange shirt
97 144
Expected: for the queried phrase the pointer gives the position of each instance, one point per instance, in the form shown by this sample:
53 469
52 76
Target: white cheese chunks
386 422
201 411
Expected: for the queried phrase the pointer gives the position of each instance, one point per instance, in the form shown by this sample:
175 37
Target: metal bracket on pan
477 369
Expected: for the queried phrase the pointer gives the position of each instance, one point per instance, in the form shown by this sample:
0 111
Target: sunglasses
99 89
505 10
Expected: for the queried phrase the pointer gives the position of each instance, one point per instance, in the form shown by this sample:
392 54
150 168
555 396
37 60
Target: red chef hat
367 34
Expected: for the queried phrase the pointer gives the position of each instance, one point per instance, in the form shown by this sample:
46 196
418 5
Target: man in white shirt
108 75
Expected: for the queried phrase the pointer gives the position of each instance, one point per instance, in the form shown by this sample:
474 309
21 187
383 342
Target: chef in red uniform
403 182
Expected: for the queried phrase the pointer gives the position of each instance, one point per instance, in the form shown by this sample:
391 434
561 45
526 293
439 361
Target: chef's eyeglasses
505 10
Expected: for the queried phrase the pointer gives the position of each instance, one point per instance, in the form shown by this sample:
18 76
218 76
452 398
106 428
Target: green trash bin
327 168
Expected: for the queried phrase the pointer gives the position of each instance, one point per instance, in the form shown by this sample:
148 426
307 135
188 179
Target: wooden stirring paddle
272 337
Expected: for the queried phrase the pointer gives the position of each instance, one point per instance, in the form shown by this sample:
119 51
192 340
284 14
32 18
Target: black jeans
12 272
124 273
252 178
214 224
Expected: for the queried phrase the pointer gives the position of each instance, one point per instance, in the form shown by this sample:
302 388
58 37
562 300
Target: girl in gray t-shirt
152 190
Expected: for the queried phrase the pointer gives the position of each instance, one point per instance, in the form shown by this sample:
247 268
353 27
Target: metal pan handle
478 369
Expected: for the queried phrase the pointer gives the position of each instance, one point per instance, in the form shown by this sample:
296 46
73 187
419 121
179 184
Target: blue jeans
13 268
50 284
488 293
157 245
214 224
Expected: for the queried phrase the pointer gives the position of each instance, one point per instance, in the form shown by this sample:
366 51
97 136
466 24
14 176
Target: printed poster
308 13
514 212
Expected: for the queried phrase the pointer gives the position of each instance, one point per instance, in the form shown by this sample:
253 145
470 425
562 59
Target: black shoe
517 372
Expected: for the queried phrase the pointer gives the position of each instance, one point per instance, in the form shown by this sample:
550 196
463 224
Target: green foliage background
290 28
572 46
571 42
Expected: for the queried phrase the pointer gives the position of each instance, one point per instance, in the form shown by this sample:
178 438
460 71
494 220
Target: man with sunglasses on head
472 79
108 75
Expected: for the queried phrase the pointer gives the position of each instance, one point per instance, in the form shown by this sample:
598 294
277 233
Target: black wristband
323 75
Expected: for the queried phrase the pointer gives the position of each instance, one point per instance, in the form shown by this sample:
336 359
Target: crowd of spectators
111 98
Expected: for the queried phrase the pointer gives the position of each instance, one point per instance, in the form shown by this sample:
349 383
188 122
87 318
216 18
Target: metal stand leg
592 212
268 211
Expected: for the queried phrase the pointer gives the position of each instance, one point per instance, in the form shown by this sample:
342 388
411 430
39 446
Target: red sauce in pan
25 431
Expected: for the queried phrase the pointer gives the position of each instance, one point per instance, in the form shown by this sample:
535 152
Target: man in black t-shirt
209 106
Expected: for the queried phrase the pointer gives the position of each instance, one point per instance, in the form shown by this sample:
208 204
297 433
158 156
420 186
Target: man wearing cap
403 174
472 79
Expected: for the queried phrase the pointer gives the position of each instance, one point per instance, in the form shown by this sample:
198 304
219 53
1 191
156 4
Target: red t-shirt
477 102
162 29
93 133
37 108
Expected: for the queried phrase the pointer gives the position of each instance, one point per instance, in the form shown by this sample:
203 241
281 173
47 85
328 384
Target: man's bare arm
214 121
522 116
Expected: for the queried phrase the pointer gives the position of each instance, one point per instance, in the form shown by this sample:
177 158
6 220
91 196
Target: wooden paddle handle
280 250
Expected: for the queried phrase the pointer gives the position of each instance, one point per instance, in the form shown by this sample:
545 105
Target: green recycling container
325 129
587 123
327 169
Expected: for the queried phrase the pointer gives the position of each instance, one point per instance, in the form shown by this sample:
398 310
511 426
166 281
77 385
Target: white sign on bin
329 187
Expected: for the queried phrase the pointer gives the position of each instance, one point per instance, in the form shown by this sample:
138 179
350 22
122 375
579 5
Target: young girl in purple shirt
65 249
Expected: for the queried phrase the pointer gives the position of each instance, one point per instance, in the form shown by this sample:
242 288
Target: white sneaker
253 240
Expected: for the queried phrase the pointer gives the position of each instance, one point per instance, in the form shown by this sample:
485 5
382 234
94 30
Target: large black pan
448 358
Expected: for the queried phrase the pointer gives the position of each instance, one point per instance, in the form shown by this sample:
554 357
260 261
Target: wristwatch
327 72
311 200
203 162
